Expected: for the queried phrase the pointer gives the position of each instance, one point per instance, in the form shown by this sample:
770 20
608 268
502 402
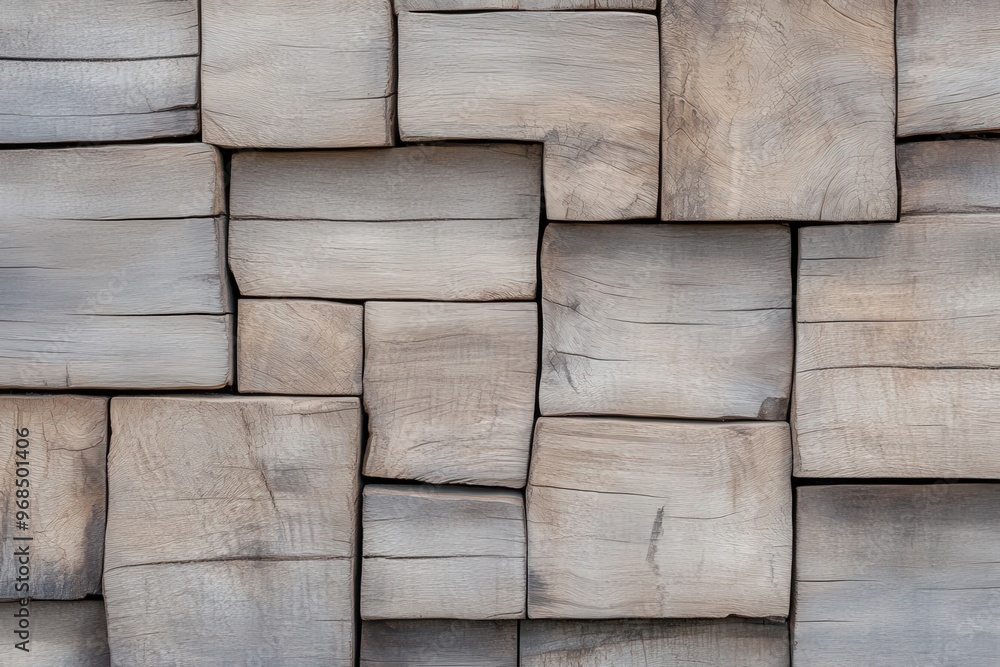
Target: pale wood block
778 110
298 74
195 478
948 53
716 643
442 552
666 320
61 442
60 634
263 612
584 83
897 575
442 223
450 391
643 518
527 5
299 347
436 643
949 176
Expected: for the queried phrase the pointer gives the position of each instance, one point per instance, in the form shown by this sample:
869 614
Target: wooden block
669 643
442 223
642 518
584 83
260 612
114 263
98 71
893 575
300 347
442 552
439 643
450 391
778 110
298 74
196 478
60 634
947 66
528 5
54 450
666 321
949 176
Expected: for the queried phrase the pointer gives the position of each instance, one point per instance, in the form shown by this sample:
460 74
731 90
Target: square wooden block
897 575
435 643
442 552
636 518
299 347
59 634
450 391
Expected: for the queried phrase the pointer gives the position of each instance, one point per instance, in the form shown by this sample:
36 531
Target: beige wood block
442 552
444 223
54 451
300 74
450 391
59 634
636 518
297 346
897 575
195 478
438 643
666 321
527 5
778 110
584 83
949 176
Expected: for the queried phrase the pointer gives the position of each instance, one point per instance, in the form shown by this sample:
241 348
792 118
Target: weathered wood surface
949 176
298 346
893 575
721 643
214 477
275 613
450 391
948 53
437 643
526 5
666 320
61 634
641 518
584 83
423 222
442 552
298 74
778 110
61 441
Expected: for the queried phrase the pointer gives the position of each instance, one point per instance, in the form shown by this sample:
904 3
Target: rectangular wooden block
52 486
894 575
442 552
666 321
300 74
437 643
59 634
299 346
525 5
443 223
640 518
450 391
778 110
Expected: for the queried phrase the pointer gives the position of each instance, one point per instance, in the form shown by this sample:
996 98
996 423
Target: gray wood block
61 443
633 518
60 634
666 321
897 575
439 643
524 5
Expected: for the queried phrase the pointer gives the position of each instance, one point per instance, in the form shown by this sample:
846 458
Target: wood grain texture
948 53
443 223
450 391
528 5
584 83
666 321
437 643
61 634
642 518
300 74
719 643
229 613
893 575
778 110
276 477
442 552
949 177
61 441
297 346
